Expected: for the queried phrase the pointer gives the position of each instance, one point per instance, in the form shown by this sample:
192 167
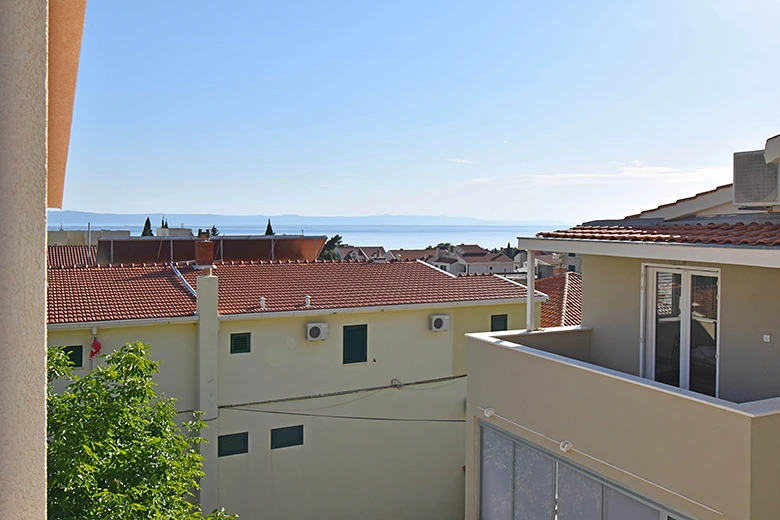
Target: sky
500 110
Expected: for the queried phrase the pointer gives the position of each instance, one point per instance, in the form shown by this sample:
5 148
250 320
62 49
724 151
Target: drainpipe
530 306
208 369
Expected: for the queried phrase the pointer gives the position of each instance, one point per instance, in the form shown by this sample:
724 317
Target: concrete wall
23 163
750 297
693 454
491 267
174 345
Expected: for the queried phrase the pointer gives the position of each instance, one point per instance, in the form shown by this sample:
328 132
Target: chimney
559 270
204 252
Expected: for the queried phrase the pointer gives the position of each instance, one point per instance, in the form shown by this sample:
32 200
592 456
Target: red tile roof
678 201
564 306
123 292
753 234
119 292
335 285
413 254
60 256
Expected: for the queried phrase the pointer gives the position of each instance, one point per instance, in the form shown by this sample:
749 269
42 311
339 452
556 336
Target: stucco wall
174 345
351 469
23 117
750 297
692 454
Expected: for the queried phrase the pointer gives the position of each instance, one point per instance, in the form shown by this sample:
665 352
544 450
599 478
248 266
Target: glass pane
534 486
579 496
667 328
619 506
704 333
496 476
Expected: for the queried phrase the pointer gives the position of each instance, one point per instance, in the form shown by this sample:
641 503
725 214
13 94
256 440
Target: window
286 437
572 255
240 343
76 355
355 344
571 268
517 480
498 322
233 444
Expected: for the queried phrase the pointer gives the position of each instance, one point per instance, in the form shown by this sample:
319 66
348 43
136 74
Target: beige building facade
664 403
297 430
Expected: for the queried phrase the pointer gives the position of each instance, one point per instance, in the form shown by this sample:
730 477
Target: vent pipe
307 300
262 303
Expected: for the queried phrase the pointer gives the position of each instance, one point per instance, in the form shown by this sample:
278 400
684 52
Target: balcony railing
703 456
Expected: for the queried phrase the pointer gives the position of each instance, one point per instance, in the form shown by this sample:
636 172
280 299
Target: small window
571 268
232 444
498 322
572 255
240 343
76 355
355 344
286 437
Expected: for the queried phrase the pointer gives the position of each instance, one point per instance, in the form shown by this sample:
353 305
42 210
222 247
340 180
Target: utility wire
351 417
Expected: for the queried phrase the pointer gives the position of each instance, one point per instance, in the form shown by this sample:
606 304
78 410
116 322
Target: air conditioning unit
316 331
756 183
440 322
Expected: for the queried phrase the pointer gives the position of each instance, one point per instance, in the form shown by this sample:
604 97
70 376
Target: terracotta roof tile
564 306
413 254
678 201
122 292
63 256
119 292
334 285
752 234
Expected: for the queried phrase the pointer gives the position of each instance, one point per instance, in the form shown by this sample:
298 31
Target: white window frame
647 317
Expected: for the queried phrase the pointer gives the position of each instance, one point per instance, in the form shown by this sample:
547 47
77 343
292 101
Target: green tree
214 231
445 245
114 449
164 223
268 229
329 250
147 232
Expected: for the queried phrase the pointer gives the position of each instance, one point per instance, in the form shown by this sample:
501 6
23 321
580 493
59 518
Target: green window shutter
76 355
498 322
240 343
233 444
355 344
286 437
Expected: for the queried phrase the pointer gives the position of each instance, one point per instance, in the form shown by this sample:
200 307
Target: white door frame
647 320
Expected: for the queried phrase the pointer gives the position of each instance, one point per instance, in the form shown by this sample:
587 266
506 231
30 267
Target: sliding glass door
681 340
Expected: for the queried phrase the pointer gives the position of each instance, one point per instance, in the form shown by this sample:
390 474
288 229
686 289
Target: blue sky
505 110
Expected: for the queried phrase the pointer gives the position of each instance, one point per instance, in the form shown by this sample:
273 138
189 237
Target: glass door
682 328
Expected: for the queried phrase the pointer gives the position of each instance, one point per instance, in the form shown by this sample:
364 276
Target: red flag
95 348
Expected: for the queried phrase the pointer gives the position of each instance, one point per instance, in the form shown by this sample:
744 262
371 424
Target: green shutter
240 343
286 437
232 444
355 344
498 322
76 355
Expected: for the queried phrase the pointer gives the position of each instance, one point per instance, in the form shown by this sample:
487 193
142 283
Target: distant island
71 219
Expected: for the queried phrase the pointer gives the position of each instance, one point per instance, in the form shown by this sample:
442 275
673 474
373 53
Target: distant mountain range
79 219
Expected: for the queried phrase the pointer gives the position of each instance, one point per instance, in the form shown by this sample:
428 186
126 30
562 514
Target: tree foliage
268 229
329 250
147 232
114 449
214 230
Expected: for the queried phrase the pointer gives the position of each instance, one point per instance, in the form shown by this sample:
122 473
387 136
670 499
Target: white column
208 386
530 306
23 113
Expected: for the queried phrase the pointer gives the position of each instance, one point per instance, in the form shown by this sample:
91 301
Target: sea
388 236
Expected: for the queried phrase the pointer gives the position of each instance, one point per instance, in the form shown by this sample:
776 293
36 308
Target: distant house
472 259
363 253
413 254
